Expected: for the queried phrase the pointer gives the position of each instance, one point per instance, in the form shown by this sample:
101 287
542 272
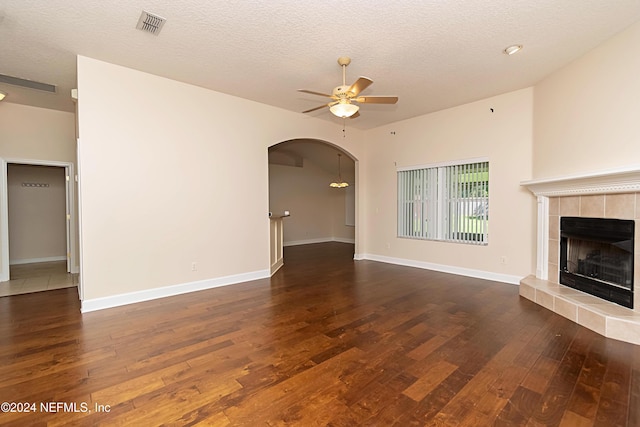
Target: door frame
71 223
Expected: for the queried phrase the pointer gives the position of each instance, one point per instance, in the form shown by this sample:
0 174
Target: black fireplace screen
596 256
601 261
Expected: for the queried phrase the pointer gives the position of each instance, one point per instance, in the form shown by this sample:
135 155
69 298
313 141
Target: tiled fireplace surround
613 194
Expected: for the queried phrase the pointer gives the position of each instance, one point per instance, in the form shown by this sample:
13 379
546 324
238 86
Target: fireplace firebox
596 256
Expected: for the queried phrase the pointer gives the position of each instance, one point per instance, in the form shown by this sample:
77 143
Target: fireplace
612 194
596 256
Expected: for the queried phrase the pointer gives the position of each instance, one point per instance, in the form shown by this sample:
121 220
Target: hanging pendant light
339 183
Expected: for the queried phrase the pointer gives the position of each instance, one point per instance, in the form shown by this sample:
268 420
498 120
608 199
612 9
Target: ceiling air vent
16 81
150 23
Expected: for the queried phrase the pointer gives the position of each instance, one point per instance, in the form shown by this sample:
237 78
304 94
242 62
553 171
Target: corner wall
464 132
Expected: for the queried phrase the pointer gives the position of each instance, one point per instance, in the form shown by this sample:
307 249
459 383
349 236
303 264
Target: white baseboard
307 241
168 291
318 240
36 260
479 274
344 240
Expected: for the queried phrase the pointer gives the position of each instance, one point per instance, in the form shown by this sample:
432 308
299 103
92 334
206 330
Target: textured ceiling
432 54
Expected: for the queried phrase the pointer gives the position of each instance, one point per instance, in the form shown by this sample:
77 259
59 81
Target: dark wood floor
326 341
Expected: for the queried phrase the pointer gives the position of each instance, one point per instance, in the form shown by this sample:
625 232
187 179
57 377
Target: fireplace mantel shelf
622 180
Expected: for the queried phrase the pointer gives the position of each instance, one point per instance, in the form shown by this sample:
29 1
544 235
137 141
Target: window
447 202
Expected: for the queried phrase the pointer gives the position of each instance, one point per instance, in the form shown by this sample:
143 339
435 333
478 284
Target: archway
300 171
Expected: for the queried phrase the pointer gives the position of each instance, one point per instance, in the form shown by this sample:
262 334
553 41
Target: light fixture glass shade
339 183
344 109
2 95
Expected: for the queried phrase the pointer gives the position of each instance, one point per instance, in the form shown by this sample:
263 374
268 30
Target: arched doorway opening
300 171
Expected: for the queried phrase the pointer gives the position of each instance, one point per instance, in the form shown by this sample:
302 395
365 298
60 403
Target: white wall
586 115
317 210
36 133
467 131
37 223
172 174
341 231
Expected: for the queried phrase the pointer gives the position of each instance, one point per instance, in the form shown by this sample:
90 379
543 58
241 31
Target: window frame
435 183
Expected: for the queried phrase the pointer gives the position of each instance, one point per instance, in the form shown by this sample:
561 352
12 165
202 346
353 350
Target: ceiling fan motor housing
341 91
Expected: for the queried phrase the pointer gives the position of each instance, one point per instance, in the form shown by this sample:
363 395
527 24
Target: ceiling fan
345 98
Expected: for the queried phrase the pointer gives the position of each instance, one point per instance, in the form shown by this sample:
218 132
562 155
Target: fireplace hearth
596 256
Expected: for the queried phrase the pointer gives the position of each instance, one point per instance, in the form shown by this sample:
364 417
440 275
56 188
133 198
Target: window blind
449 203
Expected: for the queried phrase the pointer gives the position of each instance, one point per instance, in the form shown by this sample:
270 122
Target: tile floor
43 276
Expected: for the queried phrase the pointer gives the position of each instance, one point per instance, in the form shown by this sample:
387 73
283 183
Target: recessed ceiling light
2 95
515 48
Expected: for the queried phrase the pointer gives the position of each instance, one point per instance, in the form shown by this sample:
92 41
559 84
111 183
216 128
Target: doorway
300 173
37 227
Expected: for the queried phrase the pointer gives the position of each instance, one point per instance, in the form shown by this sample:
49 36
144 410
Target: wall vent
16 81
150 23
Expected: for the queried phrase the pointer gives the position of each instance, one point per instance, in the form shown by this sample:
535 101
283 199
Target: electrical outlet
194 266
388 245
503 259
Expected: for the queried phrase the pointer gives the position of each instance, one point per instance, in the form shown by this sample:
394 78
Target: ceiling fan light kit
344 97
344 110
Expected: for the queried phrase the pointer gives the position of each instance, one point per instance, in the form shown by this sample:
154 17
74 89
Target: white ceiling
432 54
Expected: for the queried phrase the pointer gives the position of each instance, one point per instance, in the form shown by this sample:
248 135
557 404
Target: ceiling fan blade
315 93
316 108
361 84
377 99
322 106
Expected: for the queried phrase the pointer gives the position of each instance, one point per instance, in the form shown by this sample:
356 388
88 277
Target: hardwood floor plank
430 380
326 341
520 407
612 413
315 383
437 399
571 419
132 387
554 401
584 401
634 400
540 374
